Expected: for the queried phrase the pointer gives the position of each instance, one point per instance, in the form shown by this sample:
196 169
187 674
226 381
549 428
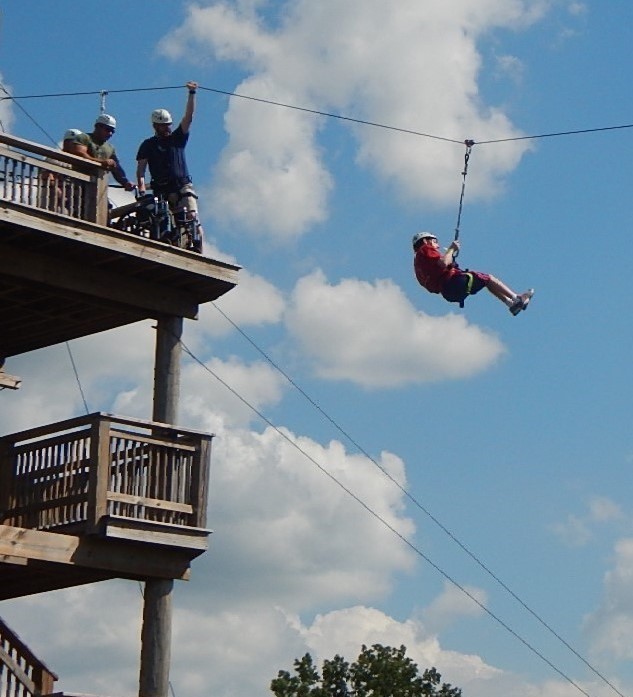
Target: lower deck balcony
100 496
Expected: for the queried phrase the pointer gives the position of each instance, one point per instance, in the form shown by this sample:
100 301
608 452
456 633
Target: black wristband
192 91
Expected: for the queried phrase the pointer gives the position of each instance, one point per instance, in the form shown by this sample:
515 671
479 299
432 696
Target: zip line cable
318 112
382 520
554 135
420 506
81 391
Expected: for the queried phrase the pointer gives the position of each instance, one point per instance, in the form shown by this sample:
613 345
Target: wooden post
157 608
99 473
156 638
167 369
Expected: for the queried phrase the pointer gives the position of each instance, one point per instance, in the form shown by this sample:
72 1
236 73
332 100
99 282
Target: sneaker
521 302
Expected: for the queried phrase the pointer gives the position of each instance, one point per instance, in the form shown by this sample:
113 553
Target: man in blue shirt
164 154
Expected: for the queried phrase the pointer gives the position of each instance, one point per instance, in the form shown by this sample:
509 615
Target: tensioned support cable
318 112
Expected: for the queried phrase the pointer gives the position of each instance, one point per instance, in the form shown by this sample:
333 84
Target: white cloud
510 66
451 605
269 178
247 387
603 510
577 531
7 113
577 9
106 363
254 302
415 69
310 545
610 626
574 531
372 335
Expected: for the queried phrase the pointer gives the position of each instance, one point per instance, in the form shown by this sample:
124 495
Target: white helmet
71 133
106 120
161 116
419 236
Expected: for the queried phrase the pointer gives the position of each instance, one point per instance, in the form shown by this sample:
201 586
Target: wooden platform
35 561
61 279
98 497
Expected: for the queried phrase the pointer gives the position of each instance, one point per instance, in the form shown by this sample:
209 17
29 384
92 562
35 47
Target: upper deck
65 274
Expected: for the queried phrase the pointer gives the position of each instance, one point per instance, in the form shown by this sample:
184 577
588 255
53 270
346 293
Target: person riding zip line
437 271
164 154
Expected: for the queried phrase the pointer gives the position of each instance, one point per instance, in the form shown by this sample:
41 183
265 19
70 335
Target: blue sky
512 432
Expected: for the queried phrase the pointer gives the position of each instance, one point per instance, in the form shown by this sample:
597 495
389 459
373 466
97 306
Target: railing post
97 201
200 481
6 478
99 477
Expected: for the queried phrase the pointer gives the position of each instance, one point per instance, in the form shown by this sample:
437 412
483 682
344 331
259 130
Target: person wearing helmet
164 154
50 186
437 271
94 146
69 139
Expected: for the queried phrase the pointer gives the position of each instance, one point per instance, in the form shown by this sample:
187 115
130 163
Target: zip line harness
469 146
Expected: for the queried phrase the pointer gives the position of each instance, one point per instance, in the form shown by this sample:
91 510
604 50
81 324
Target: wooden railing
69 475
52 180
21 673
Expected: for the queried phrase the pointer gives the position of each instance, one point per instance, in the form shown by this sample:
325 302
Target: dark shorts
463 284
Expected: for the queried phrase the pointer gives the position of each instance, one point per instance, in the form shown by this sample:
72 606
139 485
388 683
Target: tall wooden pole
157 607
167 369
156 638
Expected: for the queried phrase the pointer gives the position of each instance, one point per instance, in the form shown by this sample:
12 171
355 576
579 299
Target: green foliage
379 671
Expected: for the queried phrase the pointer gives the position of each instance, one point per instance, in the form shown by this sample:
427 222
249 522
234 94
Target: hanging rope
103 94
469 146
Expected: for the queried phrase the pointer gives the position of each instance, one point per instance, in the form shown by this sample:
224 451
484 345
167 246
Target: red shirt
429 270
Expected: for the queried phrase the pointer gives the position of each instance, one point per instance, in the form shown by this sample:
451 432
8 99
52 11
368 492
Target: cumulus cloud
610 627
235 389
7 114
416 69
254 302
370 334
270 176
451 605
576 531
53 379
310 545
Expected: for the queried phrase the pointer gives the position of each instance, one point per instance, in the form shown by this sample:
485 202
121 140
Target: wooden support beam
96 282
123 559
9 382
18 216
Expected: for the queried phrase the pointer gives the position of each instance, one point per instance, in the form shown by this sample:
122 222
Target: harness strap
469 146
469 287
